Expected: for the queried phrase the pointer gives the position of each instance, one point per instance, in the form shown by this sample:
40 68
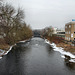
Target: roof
73 22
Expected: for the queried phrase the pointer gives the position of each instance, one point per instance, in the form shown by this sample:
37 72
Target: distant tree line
48 31
12 25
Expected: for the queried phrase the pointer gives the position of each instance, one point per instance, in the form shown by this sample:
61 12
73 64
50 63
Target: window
69 26
65 26
68 38
66 32
69 32
74 26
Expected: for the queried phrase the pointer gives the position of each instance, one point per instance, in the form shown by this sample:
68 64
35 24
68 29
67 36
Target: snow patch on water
61 50
46 41
36 44
63 56
72 60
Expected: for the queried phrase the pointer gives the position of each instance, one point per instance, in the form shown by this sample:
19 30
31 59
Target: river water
35 57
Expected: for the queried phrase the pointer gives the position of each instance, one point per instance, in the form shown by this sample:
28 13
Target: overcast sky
42 13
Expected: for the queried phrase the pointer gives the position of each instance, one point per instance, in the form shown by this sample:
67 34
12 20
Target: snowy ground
3 52
61 50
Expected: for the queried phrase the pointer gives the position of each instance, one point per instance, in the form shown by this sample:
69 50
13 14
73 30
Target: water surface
35 58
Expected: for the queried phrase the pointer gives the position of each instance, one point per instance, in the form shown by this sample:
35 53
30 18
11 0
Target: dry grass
3 45
67 47
61 43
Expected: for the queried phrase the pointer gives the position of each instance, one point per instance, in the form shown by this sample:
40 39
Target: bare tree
13 24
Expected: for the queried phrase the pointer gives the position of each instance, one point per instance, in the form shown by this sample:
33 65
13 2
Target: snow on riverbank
23 41
61 50
3 52
8 50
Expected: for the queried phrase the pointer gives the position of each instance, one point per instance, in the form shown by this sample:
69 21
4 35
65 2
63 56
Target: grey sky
42 13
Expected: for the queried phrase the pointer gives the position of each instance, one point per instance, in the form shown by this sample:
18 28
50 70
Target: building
55 30
70 31
61 33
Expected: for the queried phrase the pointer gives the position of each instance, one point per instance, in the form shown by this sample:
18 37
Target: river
35 57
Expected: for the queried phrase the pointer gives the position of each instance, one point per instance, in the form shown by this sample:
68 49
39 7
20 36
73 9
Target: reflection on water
35 58
69 64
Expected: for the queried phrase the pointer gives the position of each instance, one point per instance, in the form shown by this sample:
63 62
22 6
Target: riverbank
60 42
5 48
64 53
4 51
67 47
